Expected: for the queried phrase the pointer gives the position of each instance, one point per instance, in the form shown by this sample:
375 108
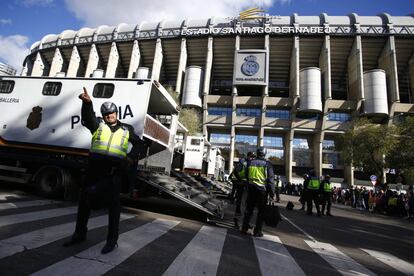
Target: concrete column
317 152
325 66
74 63
181 65
156 65
27 67
294 69
262 120
288 141
57 63
355 71
93 61
209 65
267 47
349 175
113 62
38 66
205 114
232 147
411 69
388 62
135 59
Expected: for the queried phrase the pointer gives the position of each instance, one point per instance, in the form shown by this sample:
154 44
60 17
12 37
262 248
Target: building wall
242 117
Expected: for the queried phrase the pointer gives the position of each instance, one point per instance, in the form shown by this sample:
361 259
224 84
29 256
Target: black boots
109 246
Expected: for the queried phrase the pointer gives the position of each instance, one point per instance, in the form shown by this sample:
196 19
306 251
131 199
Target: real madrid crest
250 67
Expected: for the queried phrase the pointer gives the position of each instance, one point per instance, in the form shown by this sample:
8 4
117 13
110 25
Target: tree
191 119
365 145
402 156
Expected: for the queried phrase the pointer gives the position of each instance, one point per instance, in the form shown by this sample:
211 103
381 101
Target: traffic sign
373 177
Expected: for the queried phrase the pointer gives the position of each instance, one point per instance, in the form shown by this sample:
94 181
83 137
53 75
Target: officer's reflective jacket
326 186
106 142
240 170
314 183
260 173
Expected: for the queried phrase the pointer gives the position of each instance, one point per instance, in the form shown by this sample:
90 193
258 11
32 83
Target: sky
23 22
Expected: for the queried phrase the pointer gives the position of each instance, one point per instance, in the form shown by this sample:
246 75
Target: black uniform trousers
312 195
256 197
113 177
326 201
241 186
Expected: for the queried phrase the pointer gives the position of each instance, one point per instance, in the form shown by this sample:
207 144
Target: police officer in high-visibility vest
326 192
313 186
108 161
240 183
260 179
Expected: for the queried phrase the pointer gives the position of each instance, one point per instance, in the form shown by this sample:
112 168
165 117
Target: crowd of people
379 200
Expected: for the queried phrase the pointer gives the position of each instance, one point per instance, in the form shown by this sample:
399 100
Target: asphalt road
173 239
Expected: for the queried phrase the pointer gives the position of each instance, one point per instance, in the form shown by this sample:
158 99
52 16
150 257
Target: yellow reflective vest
314 183
327 187
106 142
258 175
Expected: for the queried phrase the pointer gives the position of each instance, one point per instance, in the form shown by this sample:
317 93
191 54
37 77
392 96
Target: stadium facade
288 83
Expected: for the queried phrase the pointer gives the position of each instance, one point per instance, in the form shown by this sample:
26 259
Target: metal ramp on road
195 195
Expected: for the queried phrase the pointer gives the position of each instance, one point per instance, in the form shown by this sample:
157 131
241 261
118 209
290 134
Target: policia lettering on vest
108 162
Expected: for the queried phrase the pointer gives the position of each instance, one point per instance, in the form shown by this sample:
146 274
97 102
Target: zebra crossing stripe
22 204
47 235
92 262
32 216
273 257
202 255
341 262
394 262
11 196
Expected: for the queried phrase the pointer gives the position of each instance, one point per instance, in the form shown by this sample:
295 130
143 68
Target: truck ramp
196 196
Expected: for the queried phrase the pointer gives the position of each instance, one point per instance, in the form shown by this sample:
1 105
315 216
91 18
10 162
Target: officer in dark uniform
326 192
240 174
304 195
260 179
313 185
108 160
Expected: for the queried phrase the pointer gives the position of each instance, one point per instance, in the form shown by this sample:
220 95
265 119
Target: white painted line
341 262
202 255
92 262
47 235
300 229
274 258
22 204
11 196
32 216
394 262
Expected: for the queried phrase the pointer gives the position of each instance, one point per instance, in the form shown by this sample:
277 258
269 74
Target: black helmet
261 152
305 176
250 154
108 107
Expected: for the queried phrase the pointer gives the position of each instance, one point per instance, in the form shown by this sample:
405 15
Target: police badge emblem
250 67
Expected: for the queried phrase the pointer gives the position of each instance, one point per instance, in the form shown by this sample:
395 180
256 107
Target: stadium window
103 90
52 88
339 116
6 87
308 116
278 113
248 112
219 110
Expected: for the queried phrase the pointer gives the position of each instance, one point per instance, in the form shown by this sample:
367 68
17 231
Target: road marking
22 204
300 229
47 235
32 216
341 262
394 262
274 258
202 255
92 262
11 196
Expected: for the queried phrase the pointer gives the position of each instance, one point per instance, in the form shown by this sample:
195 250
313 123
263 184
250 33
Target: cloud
13 50
30 3
112 12
5 21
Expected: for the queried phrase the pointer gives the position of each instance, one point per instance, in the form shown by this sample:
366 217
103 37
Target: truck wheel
50 181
